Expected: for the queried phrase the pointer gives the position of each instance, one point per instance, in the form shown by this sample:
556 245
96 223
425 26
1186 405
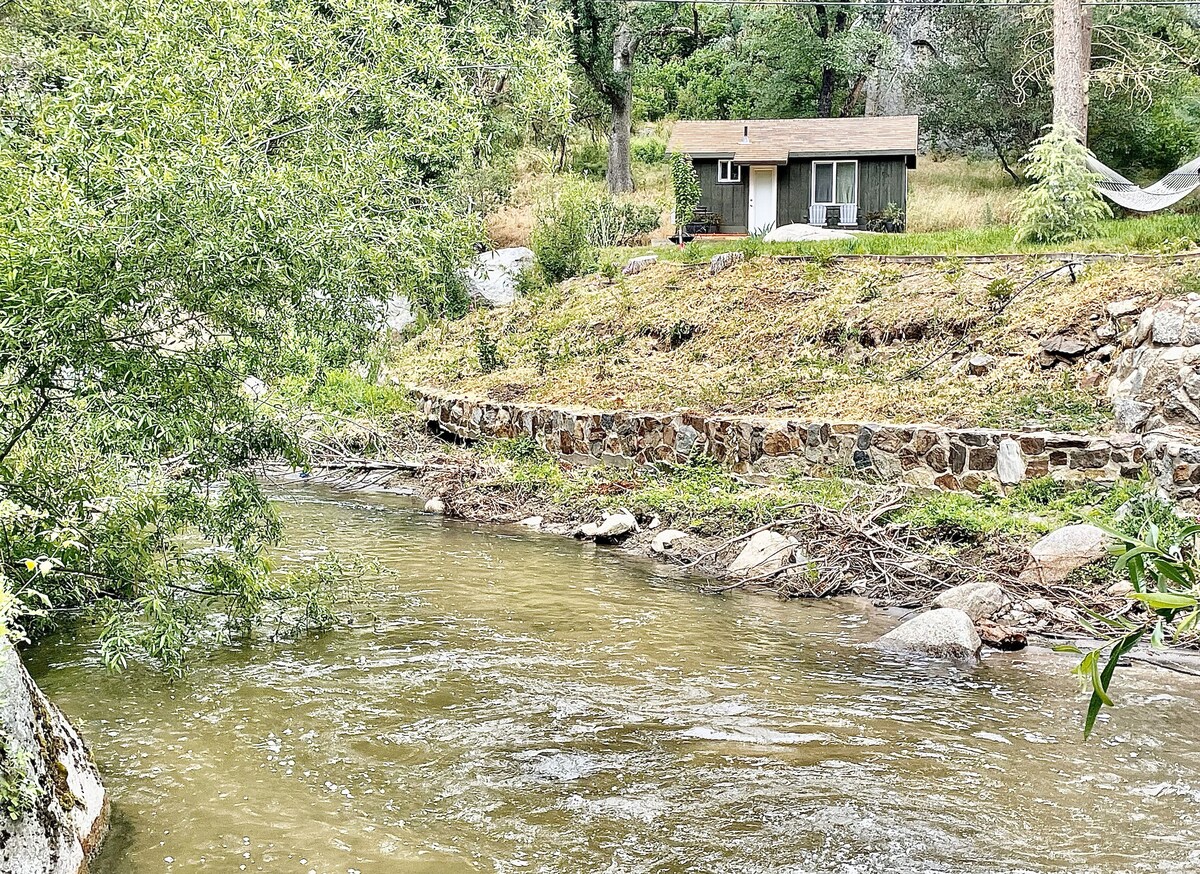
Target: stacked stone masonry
923 455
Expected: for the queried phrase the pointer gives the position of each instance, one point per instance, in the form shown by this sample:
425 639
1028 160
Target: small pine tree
686 185
1064 203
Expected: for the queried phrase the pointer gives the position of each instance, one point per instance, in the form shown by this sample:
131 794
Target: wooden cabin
756 175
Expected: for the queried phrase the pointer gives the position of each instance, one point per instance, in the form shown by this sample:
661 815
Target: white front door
762 199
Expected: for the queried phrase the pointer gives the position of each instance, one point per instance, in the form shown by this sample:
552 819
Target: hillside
832 339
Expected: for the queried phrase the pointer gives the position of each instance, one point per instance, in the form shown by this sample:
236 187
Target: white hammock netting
1169 190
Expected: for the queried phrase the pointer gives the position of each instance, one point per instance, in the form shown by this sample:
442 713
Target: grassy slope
831 341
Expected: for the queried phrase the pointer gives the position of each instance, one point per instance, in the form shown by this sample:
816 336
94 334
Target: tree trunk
620 166
1071 63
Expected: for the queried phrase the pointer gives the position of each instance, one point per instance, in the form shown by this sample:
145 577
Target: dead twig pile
850 551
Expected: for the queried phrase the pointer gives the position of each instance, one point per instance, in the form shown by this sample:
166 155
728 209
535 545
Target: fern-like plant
1063 204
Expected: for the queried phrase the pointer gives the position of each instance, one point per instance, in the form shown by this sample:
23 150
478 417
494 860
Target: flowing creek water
525 703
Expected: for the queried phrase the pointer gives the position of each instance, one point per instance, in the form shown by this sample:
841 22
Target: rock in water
534 522
493 276
435 505
999 636
1053 557
765 552
944 633
619 525
665 541
70 814
977 600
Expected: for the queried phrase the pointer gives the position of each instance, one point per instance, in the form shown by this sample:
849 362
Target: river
523 703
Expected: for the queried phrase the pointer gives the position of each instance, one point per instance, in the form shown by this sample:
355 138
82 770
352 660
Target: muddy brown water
526 704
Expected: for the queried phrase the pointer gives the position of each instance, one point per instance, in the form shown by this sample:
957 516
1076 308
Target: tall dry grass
945 194
951 193
536 182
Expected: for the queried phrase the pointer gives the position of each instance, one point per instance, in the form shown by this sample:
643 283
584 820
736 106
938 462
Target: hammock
1169 190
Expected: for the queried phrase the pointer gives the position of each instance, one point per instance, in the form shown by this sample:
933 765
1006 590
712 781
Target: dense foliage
579 221
685 185
1062 204
197 197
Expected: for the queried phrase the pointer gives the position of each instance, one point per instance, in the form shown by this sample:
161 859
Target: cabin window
835 182
727 171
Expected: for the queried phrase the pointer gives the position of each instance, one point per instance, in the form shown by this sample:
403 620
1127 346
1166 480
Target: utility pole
1072 64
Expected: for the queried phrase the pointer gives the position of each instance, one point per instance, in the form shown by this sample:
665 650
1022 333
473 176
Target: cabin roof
777 139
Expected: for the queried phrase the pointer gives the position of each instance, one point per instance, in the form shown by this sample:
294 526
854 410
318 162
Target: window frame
833 189
727 177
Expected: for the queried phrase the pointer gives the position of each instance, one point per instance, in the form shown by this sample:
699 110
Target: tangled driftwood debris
845 551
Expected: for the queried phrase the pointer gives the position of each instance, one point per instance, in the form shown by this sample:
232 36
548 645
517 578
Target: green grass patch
347 394
1165 233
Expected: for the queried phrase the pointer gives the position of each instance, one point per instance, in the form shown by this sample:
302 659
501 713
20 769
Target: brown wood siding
729 200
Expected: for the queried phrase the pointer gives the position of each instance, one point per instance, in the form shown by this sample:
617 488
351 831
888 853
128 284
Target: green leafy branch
1162 571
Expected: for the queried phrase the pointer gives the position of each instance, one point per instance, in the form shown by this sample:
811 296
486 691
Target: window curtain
823 190
845 186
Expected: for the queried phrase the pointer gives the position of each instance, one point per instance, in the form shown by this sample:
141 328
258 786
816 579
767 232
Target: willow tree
193 193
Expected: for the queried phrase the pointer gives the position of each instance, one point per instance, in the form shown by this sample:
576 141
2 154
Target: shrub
560 237
1063 204
568 232
649 151
590 159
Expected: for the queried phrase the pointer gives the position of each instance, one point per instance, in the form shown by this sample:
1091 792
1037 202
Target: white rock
1122 308
1120 589
805 233
1010 463
977 600
619 524
435 505
665 540
765 552
1065 615
254 388
637 265
945 633
1130 414
1052 558
534 522
980 364
49 839
397 314
724 261
493 276
588 530
1039 605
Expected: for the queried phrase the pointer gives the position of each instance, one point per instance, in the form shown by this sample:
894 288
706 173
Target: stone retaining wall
925 455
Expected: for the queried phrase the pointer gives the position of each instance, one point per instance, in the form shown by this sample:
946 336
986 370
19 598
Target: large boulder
805 234
943 633
68 814
493 276
764 553
615 526
1055 556
977 600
